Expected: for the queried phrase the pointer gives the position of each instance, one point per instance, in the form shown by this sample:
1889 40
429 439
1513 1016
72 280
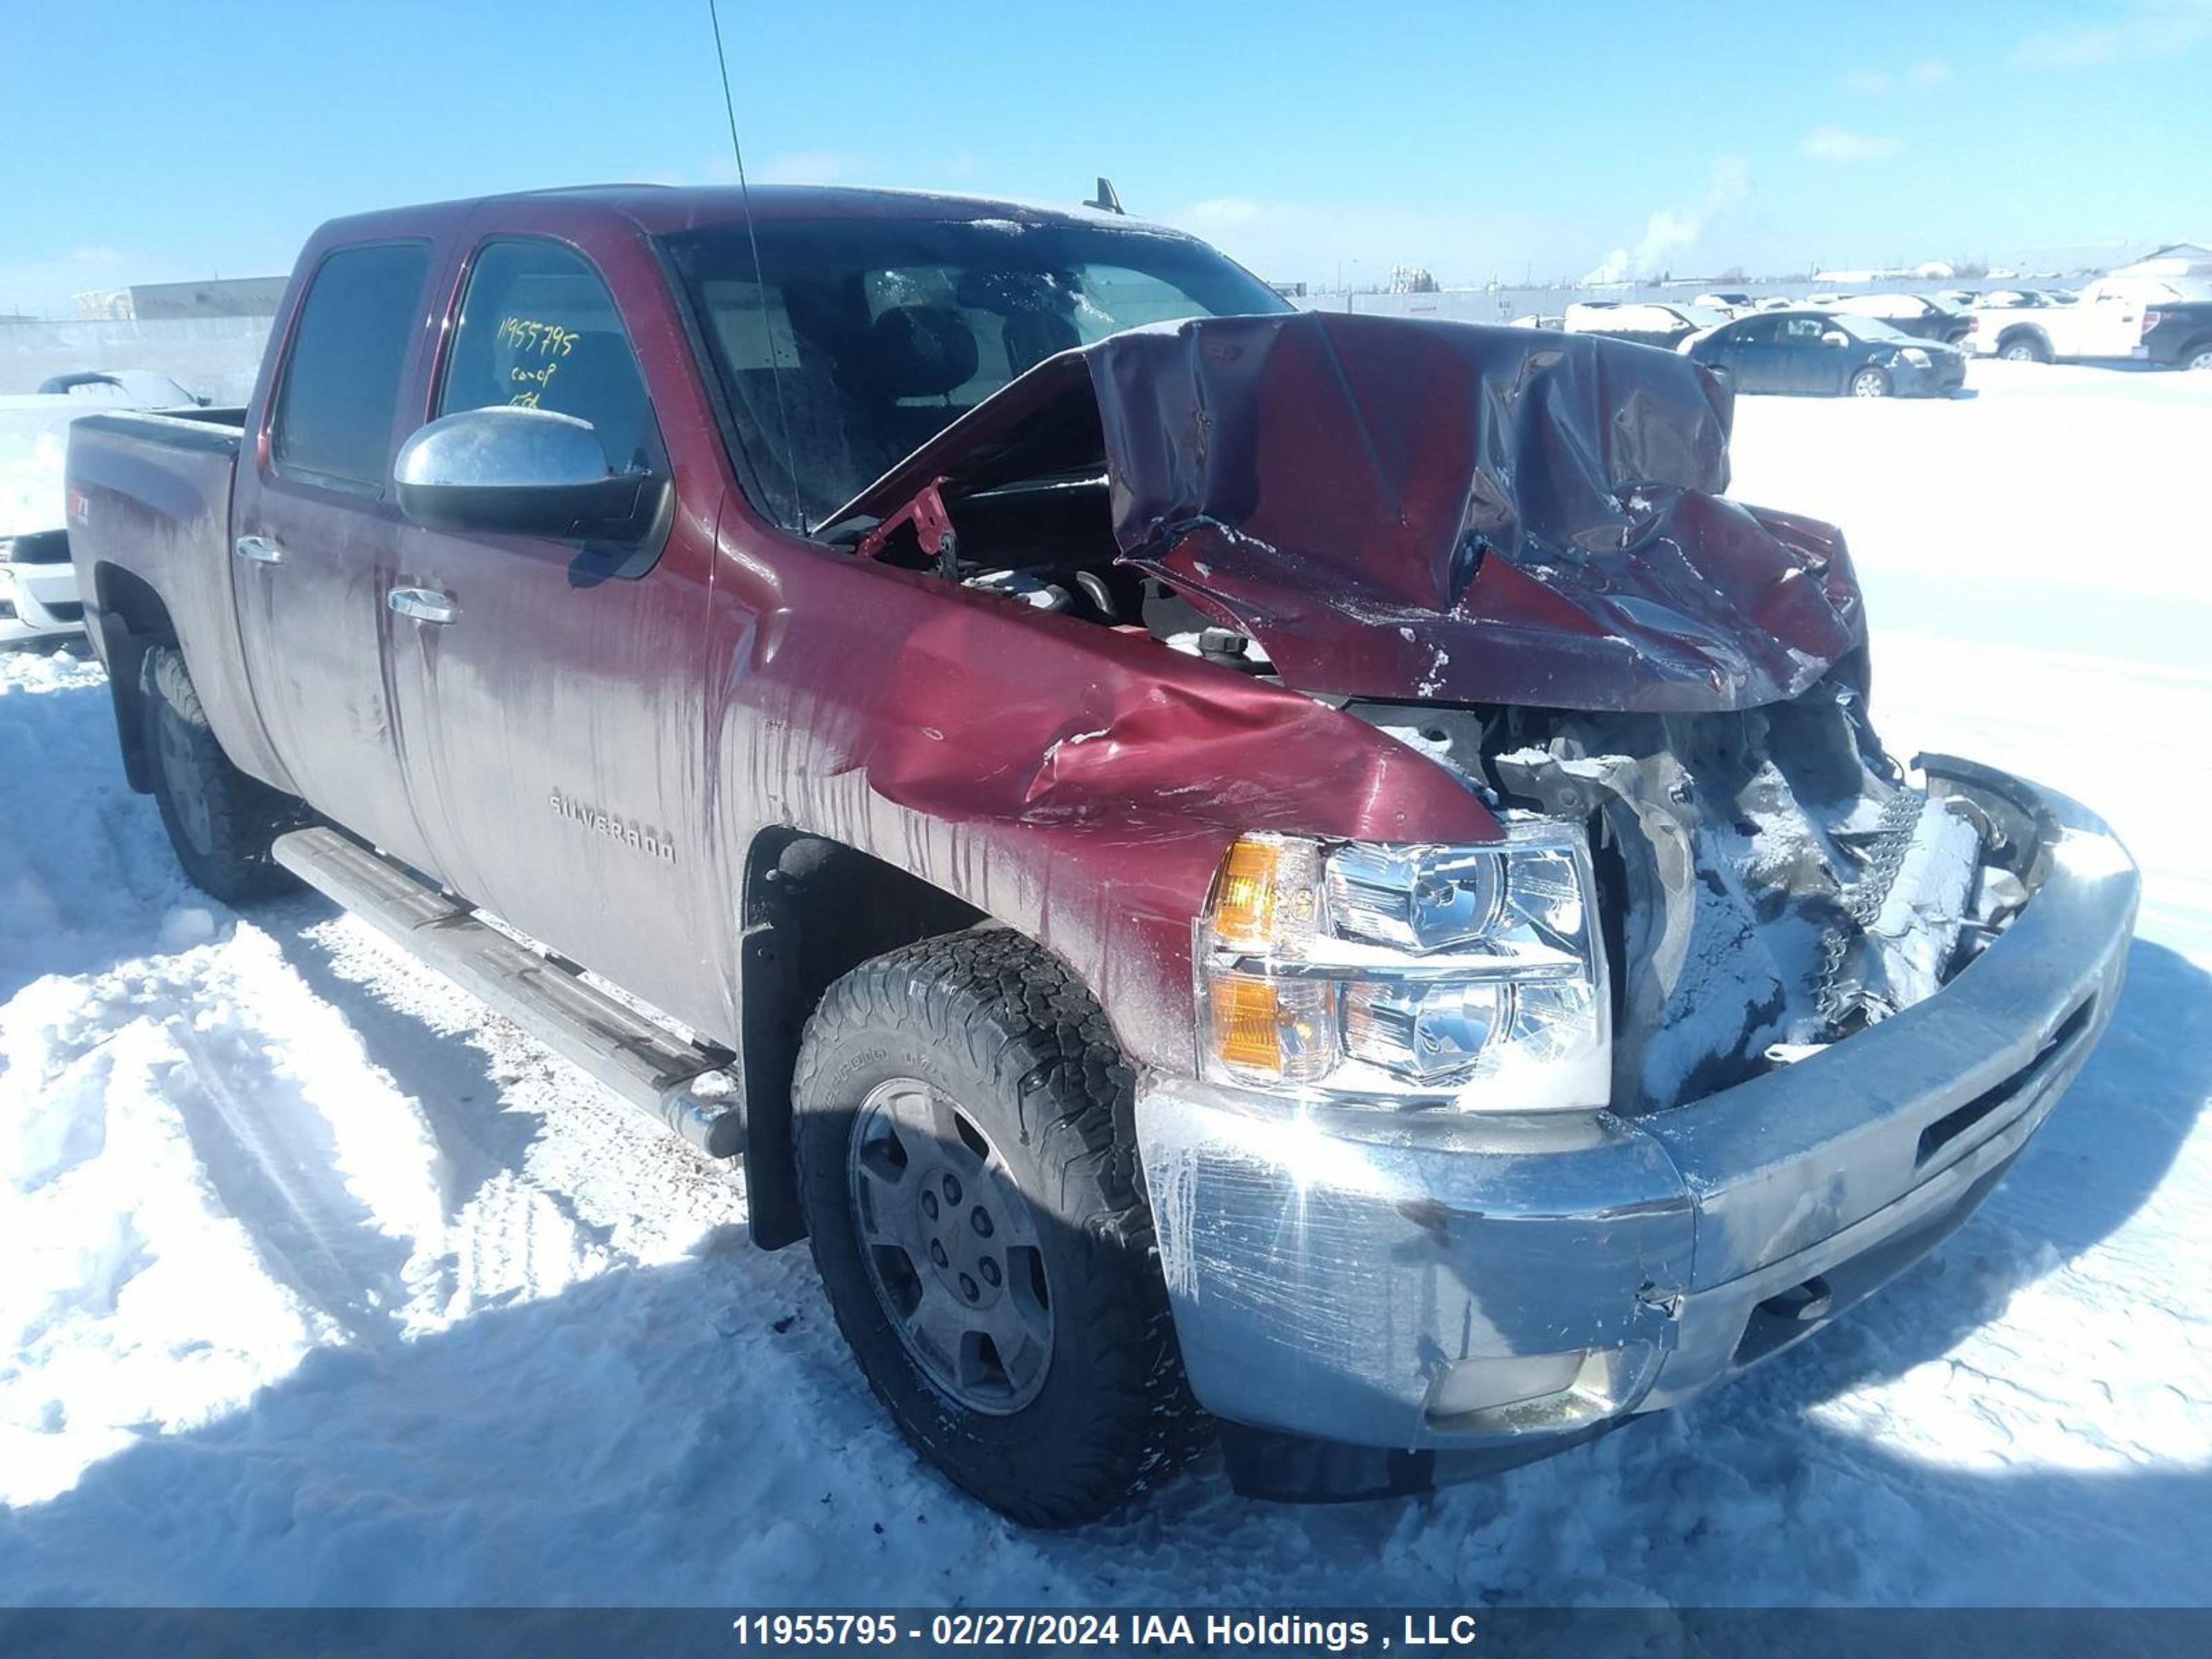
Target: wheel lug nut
990 1269
979 1221
936 1252
951 1189
929 1205
968 1288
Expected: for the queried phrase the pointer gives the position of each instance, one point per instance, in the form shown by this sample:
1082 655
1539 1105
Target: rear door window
538 330
349 354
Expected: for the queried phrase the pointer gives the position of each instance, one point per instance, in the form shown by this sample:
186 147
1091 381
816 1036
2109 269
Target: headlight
1915 357
1408 973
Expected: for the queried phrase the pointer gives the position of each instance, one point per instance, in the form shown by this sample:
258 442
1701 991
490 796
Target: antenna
1108 200
760 273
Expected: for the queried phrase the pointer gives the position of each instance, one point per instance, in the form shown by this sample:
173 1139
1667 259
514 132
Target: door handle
259 549
424 603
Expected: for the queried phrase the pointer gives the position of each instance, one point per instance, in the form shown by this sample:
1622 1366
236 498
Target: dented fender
1075 782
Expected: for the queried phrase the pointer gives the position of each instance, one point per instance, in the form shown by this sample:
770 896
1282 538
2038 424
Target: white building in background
214 296
2176 259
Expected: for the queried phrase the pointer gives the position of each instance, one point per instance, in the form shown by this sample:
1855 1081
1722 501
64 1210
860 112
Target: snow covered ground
318 1286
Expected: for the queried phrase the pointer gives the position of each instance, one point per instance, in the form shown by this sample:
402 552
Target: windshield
886 332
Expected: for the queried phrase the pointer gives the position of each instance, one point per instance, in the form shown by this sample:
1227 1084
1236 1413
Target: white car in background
38 597
2107 320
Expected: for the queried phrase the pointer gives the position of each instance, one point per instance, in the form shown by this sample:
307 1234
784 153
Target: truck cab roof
665 210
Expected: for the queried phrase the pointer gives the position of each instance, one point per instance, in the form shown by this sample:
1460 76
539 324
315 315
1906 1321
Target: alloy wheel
951 1247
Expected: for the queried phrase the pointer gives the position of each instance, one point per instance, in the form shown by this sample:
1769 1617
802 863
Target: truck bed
150 513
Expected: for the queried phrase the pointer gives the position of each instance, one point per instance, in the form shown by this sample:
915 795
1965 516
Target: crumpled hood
1395 508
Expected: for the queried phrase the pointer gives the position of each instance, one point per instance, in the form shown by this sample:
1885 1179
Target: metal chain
1863 900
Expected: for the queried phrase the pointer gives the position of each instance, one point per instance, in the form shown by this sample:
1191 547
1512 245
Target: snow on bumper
1489 1286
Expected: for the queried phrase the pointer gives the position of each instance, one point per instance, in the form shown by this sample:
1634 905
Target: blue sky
157 141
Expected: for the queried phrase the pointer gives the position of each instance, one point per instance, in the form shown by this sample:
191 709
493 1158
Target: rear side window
349 353
538 330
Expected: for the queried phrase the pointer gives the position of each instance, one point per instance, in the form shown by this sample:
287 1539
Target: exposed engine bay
1773 884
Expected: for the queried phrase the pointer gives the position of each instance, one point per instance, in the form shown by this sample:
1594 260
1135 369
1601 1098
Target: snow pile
32 449
316 1283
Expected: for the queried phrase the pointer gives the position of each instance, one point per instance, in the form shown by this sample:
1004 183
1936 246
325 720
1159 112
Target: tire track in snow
272 1162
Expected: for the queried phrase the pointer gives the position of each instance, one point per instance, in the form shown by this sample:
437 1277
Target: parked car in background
38 597
1730 303
1535 319
1908 314
2179 334
131 388
1643 322
2114 319
1170 935
1827 354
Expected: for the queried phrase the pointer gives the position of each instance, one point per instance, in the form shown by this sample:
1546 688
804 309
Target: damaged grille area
1772 884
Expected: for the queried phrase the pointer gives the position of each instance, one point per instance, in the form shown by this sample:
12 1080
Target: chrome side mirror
512 471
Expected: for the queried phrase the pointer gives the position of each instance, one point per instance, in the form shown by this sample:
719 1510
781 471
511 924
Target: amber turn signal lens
1244 899
1245 1031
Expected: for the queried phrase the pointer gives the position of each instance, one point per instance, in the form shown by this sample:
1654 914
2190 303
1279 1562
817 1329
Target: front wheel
221 822
2027 350
1869 383
978 1218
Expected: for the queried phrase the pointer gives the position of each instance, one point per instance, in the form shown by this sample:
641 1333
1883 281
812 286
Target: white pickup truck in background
2108 320
38 597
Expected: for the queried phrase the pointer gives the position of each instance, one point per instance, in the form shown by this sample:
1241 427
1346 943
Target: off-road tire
1010 1034
224 849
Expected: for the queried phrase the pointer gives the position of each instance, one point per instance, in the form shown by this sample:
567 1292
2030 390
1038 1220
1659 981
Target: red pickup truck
1304 880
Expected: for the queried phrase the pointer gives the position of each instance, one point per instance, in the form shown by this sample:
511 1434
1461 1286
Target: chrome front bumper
1499 1287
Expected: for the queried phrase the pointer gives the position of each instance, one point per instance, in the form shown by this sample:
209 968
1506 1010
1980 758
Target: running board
684 1086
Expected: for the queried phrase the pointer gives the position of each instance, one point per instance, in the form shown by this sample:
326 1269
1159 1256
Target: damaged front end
1515 552
1498 1134
1377 1302
1770 881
